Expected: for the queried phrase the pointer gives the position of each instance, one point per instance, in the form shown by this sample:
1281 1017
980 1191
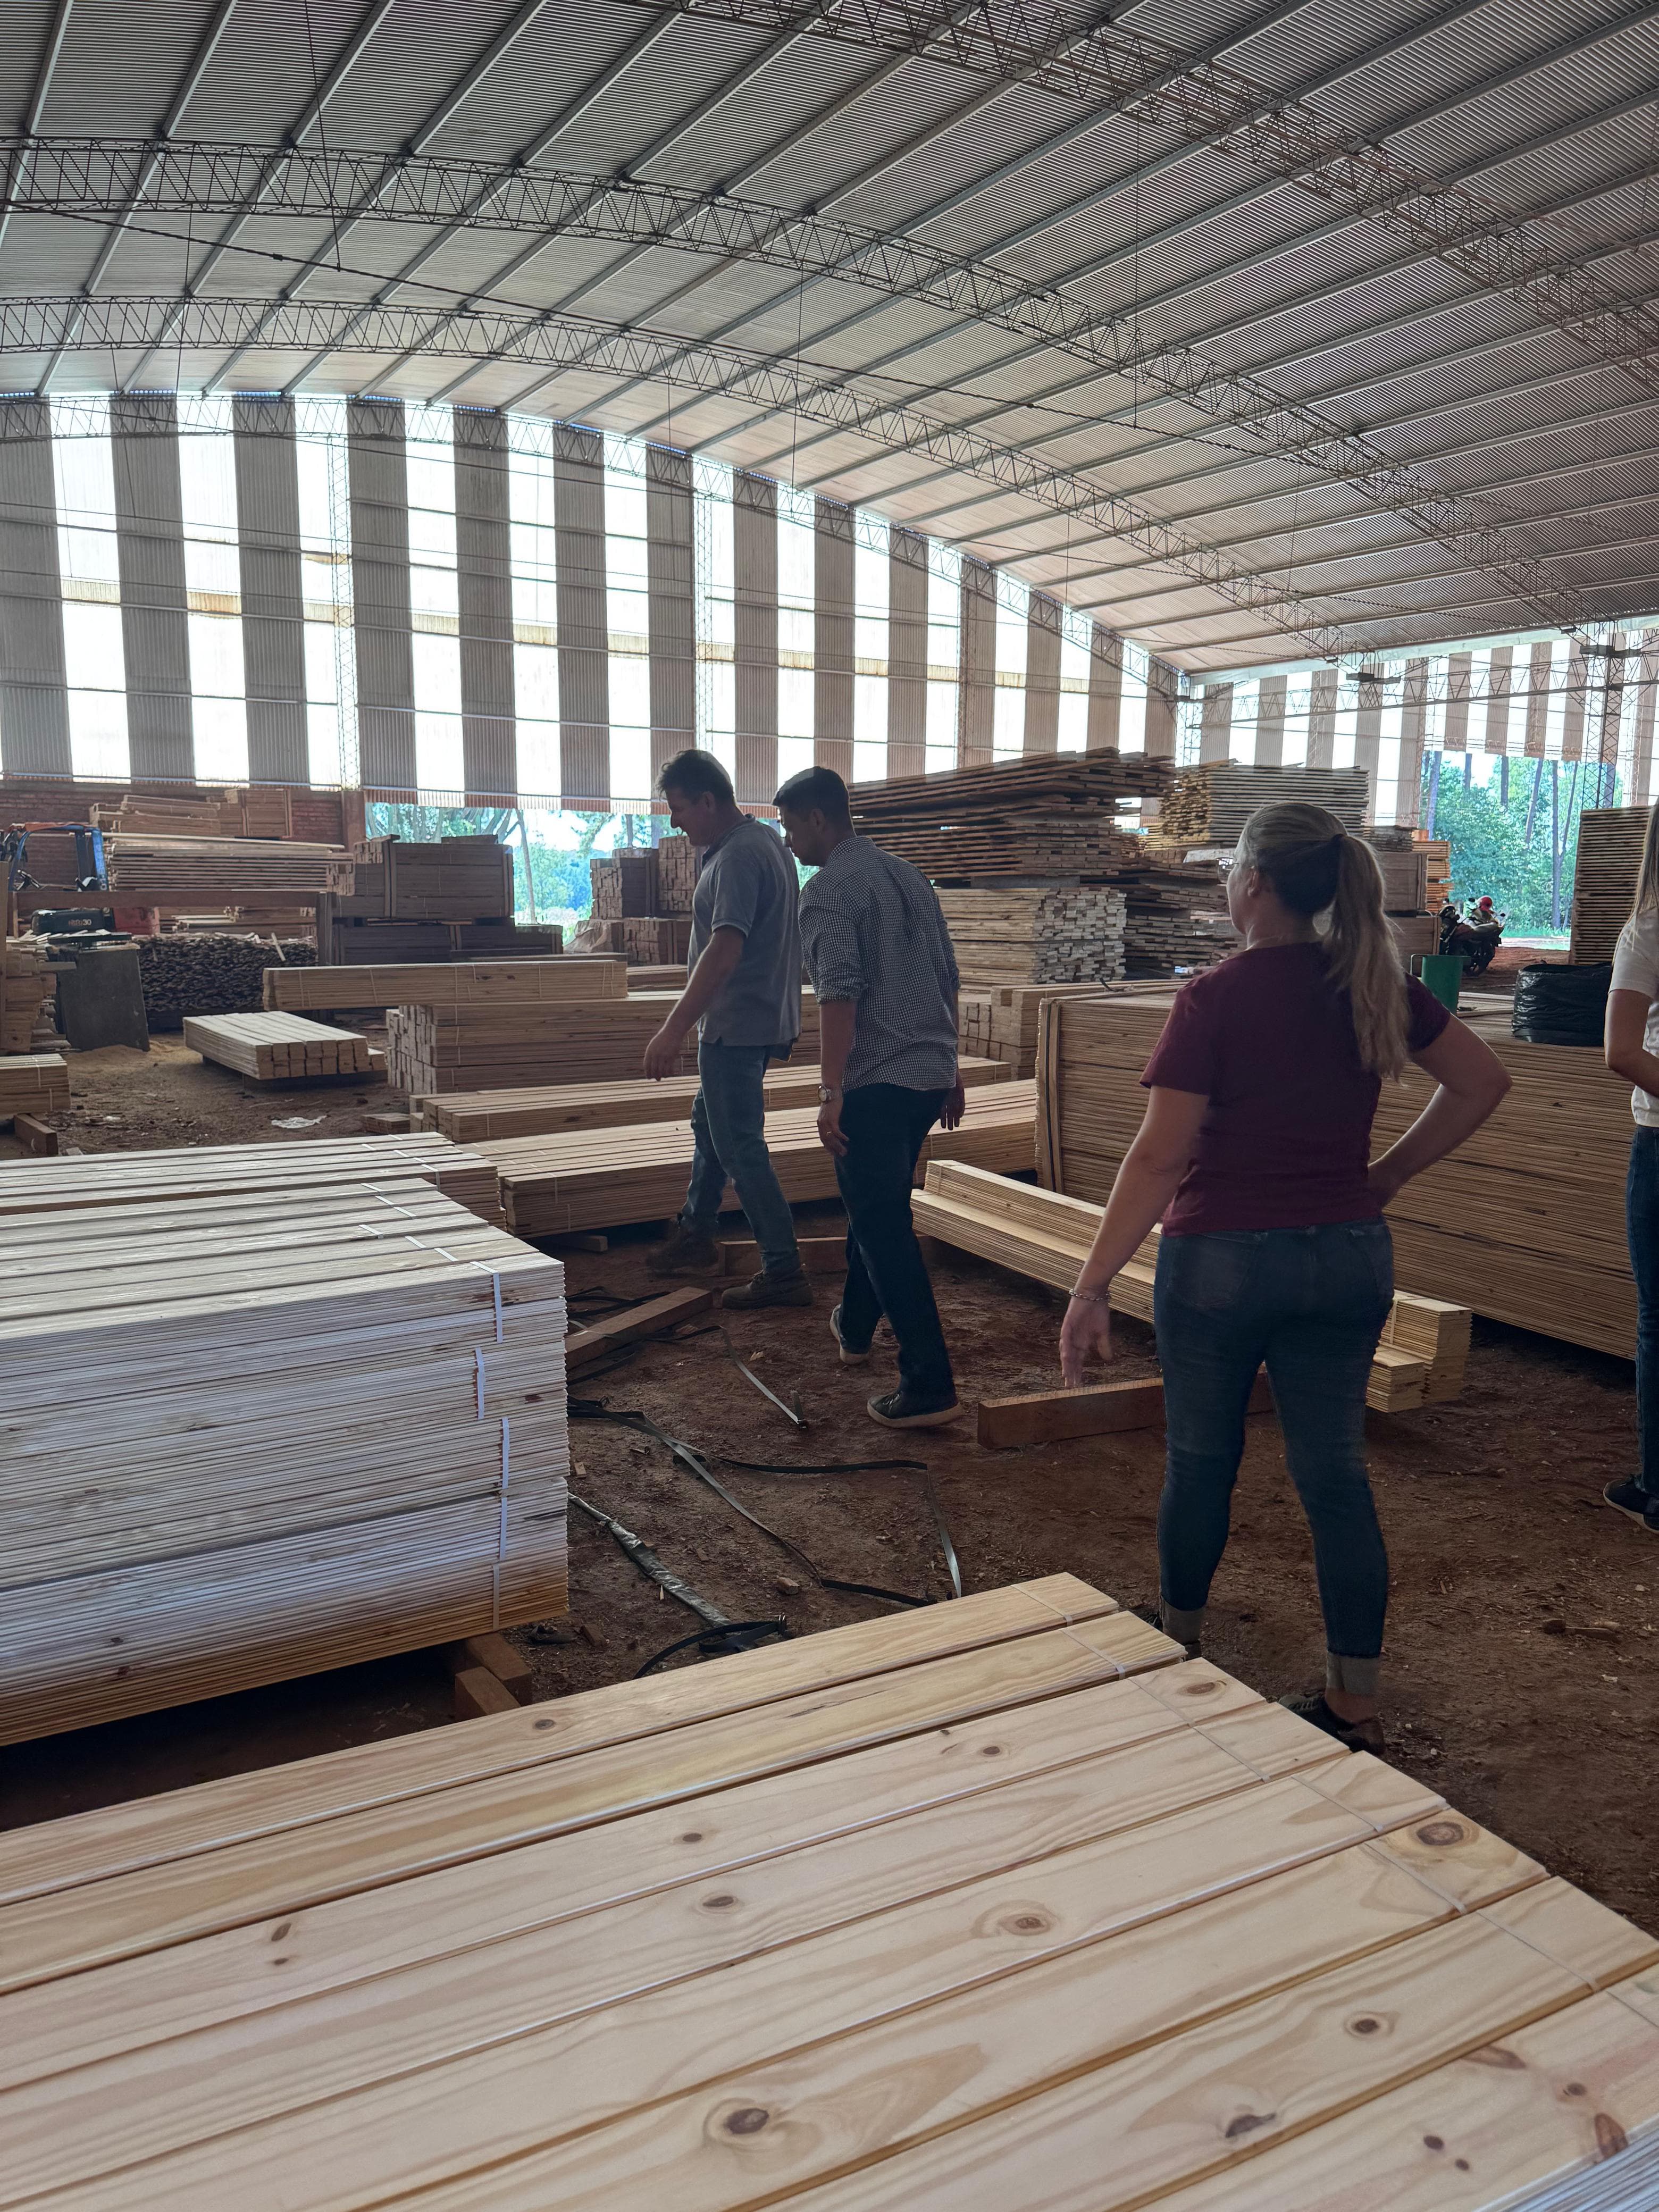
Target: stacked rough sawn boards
1047 1235
1610 842
601 1178
997 1907
1036 933
468 1116
1043 815
1001 1024
464 983
1524 1222
273 1047
252 1432
28 992
1210 804
151 871
34 1082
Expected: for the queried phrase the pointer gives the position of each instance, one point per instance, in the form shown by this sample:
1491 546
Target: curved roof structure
1253 331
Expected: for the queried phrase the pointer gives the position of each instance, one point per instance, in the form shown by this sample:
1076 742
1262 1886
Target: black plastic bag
1556 1004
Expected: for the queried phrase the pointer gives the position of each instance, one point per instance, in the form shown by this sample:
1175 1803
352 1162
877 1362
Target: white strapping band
478 1354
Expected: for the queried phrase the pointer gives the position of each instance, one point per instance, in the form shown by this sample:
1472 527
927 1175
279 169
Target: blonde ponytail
1647 876
1310 863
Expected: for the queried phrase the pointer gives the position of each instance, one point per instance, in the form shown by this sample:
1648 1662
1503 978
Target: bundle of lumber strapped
1044 814
277 1048
501 1046
1210 804
552 981
602 1178
638 882
28 991
205 872
1036 933
1524 1223
994 1905
455 879
34 1082
311 1424
1046 1236
260 810
1001 1024
468 1117
216 972
1610 840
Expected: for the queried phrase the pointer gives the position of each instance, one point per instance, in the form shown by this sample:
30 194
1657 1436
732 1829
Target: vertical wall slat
584 619
484 583
1215 740
1413 729
1499 683
378 478
834 591
907 652
1367 740
1270 721
1647 698
755 618
1539 676
273 602
977 699
1162 706
1321 720
1572 713
1042 639
149 542
34 734
671 587
1460 676
1105 690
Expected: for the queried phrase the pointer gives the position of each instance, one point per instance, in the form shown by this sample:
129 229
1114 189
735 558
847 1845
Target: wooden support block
34 1136
478 1693
492 1651
580 1243
819 1256
383 1122
585 1345
1042 1417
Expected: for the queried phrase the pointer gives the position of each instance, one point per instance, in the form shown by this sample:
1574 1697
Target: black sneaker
1355 1736
764 1290
682 1252
1635 1504
850 1355
898 1409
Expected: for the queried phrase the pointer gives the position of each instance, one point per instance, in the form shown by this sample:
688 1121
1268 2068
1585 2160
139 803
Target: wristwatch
825 1094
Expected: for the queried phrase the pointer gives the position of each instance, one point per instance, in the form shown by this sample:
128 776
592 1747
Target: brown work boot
683 1253
792 1288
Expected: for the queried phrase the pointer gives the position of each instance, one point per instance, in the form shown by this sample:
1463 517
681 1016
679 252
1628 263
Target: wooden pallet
601 1178
998 1906
277 1048
459 983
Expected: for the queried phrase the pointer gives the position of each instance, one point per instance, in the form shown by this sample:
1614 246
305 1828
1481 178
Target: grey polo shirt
748 882
874 934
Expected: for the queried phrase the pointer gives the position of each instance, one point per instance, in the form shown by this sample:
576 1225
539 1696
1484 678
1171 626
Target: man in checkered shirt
880 959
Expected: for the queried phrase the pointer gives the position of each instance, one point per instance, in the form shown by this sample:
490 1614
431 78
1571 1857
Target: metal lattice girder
82 176
556 344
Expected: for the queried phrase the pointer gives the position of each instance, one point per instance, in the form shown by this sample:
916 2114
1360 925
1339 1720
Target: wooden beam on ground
1046 1417
492 1651
384 1122
585 1345
34 1136
478 1692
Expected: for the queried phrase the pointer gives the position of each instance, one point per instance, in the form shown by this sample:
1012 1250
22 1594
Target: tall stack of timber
472 982
1210 804
310 1424
1610 840
1125 1934
677 875
1405 860
452 900
1047 1235
28 993
1524 1222
210 872
505 1045
1001 1024
277 1048
623 883
656 939
216 972
586 1179
1035 933
468 1116
259 810
1436 874
642 899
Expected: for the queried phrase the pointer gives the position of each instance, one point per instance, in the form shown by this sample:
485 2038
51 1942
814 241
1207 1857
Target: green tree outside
1530 876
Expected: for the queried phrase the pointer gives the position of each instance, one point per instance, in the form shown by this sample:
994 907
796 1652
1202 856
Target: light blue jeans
728 1123
1309 1305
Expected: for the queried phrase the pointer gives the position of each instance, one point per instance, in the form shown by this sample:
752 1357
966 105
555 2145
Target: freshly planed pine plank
1028 1761
1069 1939
1099 1409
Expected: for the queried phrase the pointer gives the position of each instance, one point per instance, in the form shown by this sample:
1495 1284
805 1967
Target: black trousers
885 1127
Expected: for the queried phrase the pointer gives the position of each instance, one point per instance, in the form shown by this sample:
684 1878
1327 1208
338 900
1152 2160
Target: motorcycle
1475 941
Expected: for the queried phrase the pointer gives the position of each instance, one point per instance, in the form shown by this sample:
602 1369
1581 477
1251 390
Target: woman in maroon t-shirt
1254 1154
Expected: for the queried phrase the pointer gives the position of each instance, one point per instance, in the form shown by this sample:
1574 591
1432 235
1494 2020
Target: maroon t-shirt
1286 1141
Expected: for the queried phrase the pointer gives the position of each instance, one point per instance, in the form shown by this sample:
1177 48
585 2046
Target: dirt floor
1520 1657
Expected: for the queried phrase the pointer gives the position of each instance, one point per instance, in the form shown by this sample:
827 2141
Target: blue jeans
728 1125
1642 1227
1310 1304
886 1126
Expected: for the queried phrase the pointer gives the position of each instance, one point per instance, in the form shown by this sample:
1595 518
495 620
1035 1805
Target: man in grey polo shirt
742 995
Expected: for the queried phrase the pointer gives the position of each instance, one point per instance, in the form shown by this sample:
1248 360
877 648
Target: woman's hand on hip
1084 1334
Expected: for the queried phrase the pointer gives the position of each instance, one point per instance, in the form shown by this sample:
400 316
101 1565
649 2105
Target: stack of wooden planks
1035 933
471 983
602 1178
1436 873
364 940
1046 1236
995 1906
677 875
229 1172
277 1048
623 883
1001 1024
1524 1223
34 1082
309 1425
455 879
29 991
1044 814
1210 803
260 810
656 939
210 872
1610 841
468 1117
465 1047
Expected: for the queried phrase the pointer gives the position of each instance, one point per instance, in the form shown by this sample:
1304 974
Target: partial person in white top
1631 1048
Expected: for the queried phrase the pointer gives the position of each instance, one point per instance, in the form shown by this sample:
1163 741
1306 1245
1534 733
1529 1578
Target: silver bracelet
1092 1297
